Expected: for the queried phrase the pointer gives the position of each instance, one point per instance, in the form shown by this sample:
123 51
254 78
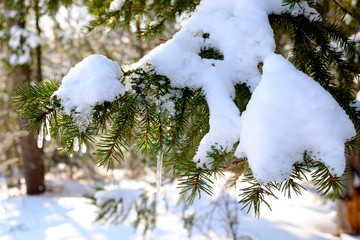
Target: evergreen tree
191 119
22 44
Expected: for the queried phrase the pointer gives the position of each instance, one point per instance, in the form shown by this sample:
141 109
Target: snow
356 181
279 128
16 37
288 114
356 37
179 60
93 81
128 196
304 8
66 215
356 103
116 5
21 42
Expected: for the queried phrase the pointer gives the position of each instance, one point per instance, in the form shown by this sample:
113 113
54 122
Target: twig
351 15
342 8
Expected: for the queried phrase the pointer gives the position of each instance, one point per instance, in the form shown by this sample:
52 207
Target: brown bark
32 156
33 164
348 208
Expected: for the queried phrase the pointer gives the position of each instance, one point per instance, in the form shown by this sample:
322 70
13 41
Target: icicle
48 136
158 176
76 144
83 147
40 136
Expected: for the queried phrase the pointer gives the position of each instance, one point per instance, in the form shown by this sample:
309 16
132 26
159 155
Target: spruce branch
116 211
184 151
143 116
238 167
197 180
254 195
180 118
118 137
34 103
326 182
346 11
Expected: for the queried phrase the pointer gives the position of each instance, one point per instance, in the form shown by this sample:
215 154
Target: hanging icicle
76 144
158 176
48 136
83 147
40 137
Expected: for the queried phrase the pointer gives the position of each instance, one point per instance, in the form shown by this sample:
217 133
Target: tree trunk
348 208
32 156
33 164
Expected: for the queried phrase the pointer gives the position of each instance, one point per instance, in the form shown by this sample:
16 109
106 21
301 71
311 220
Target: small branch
103 115
238 175
147 126
235 164
172 12
118 133
184 149
181 116
42 116
196 182
342 8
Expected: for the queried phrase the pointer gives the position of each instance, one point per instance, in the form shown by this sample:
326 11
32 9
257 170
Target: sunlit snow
65 214
93 81
302 116
288 114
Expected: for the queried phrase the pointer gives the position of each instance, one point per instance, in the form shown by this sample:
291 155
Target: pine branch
184 151
163 12
180 118
118 137
34 103
238 167
254 195
346 11
326 182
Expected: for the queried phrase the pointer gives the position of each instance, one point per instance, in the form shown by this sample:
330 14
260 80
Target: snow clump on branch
116 5
289 113
272 136
95 80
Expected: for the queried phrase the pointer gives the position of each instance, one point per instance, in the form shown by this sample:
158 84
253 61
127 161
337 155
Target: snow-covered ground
65 215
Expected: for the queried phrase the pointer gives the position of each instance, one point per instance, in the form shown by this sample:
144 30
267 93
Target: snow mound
243 50
92 81
290 113
241 32
128 196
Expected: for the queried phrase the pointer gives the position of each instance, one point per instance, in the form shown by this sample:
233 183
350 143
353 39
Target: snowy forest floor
64 214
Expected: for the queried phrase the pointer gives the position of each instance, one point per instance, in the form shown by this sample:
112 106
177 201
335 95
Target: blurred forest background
58 40
55 35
